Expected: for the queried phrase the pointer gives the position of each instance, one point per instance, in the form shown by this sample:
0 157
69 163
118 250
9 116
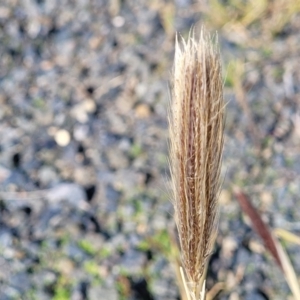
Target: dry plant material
258 225
288 236
271 243
196 123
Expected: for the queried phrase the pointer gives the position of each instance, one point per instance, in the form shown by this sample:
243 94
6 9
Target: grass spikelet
196 142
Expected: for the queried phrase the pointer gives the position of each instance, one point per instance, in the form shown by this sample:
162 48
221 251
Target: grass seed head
196 122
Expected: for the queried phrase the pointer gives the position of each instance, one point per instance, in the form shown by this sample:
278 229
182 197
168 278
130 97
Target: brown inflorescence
196 123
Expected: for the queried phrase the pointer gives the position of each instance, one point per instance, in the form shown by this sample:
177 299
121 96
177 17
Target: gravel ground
85 212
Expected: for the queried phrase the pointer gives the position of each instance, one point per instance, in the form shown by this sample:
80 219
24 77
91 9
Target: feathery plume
196 122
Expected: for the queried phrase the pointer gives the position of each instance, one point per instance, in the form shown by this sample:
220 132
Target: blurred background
85 211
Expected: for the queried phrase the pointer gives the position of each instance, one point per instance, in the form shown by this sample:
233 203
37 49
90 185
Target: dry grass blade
258 225
196 143
289 272
271 243
288 236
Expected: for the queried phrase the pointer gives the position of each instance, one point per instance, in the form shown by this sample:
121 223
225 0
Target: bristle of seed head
196 122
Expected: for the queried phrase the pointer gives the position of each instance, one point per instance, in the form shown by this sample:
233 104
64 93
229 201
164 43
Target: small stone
34 27
142 111
117 159
89 105
52 130
116 123
228 246
105 292
46 65
79 113
84 175
4 12
230 280
62 137
95 42
65 266
134 260
70 192
234 296
266 198
80 132
118 21
124 104
5 239
4 173
141 90
141 228
225 197
112 197
256 247
47 175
